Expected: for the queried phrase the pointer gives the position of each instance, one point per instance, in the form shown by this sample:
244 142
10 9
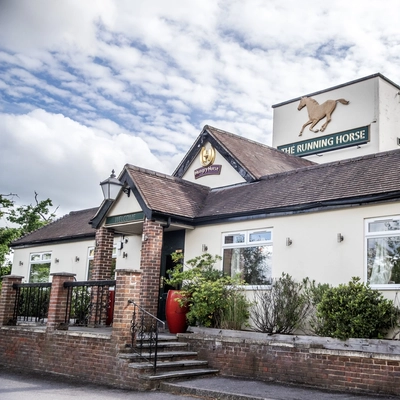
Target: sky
89 86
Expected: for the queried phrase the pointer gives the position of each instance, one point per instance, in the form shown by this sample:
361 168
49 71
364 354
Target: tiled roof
355 181
349 181
73 225
257 158
332 183
167 194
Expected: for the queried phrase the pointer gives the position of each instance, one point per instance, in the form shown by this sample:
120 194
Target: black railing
89 303
144 331
31 302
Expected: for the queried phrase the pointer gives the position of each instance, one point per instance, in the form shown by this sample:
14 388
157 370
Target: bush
314 293
214 299
235 313
355 310
280 309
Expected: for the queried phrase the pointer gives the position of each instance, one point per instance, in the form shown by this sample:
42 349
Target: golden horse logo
317 111
207 156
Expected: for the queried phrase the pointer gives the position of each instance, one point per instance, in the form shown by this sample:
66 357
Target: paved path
223 388
22 385
17 385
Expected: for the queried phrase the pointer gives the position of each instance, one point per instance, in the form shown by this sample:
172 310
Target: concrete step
162 355
169 365
162 346
160 376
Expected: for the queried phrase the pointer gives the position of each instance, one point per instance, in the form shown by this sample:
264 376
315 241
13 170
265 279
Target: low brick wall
91 357
357 365
88 357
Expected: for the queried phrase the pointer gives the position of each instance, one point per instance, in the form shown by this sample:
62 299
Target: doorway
172 241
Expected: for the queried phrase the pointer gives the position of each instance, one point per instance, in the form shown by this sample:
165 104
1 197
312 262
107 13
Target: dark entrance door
172 241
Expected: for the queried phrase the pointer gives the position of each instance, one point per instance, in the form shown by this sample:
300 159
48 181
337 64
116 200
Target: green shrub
313 292
214 299
280 309
354 310
235 313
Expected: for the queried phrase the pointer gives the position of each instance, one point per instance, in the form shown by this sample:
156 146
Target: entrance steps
174 360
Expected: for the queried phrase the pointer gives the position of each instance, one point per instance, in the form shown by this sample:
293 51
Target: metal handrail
144 331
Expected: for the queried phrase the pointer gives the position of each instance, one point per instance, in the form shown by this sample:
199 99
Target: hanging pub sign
207 158
326 143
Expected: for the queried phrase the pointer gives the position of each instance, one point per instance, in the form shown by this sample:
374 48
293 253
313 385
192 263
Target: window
383 251
91 258
248 254
39 270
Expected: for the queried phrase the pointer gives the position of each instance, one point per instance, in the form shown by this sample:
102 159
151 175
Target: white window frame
379 234
41 260
249 243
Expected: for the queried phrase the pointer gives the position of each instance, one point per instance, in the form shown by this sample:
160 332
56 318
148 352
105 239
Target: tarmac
17 384
230 388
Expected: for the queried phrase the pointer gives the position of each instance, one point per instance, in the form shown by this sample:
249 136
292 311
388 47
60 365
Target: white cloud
87 86
62 159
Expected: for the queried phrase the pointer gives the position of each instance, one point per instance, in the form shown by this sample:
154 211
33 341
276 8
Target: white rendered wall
315 252
132 245
65 253
228 176
124 205
389 116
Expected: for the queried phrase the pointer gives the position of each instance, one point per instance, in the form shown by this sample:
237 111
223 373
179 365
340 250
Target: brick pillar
150 265
7 299
58 301
102 262
127 288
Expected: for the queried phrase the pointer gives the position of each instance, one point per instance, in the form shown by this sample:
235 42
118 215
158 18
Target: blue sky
88 86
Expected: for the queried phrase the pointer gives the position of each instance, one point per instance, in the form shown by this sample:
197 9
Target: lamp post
111 187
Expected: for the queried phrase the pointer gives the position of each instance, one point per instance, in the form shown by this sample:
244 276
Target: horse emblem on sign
317 111
207 156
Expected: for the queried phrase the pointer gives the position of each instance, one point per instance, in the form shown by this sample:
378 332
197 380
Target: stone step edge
162 354
175 388
179 374
166 344
169 364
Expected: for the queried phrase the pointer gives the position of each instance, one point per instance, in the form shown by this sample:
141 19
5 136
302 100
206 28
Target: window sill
386 287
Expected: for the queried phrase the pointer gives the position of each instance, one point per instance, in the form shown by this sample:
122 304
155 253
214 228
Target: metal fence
31 302
90 303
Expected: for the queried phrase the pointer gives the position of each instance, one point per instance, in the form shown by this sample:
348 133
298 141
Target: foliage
31 217
355 310
313 292
213 298
24 219
282 308
254 259
235 314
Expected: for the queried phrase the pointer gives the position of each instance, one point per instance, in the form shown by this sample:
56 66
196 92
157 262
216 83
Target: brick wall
91 358
102 261
88 356
356 365
150 262
7 299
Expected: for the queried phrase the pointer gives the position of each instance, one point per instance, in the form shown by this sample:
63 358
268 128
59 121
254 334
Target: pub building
322 202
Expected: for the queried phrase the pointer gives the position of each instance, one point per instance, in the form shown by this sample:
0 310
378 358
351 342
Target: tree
24 219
